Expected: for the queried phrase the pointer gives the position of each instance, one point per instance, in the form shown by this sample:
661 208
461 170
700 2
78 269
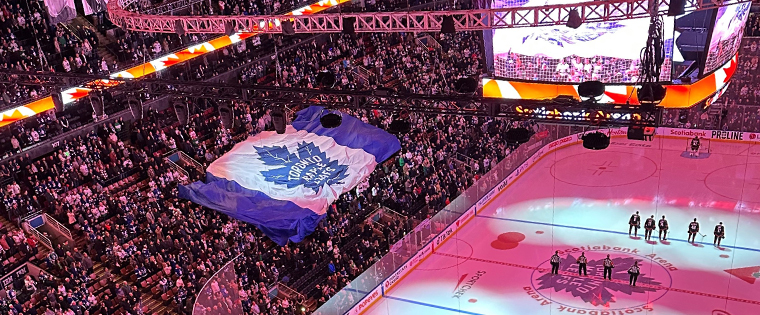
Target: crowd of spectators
114 188
738 108
29 43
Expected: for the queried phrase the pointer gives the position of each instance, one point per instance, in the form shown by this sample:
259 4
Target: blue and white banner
283 183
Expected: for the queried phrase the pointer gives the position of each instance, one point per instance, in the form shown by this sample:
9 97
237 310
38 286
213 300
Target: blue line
431 305
416 302
606 231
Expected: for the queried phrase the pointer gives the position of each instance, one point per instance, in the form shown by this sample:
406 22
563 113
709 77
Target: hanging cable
653 54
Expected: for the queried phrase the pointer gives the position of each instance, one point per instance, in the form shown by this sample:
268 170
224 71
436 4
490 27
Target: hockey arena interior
379 157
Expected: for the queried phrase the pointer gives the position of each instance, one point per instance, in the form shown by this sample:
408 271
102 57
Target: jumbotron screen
727 34
605 51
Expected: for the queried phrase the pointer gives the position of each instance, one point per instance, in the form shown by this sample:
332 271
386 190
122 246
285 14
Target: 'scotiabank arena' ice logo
308 166
594 290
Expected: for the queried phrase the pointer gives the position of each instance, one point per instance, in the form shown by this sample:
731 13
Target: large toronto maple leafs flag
283 183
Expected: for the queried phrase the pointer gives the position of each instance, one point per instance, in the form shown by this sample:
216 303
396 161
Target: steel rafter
565 111
464 20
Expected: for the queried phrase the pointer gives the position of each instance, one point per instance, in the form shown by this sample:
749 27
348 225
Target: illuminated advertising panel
604 51
727 34
677 95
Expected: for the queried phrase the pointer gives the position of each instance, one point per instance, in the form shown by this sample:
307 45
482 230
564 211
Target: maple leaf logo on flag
594 291
308 166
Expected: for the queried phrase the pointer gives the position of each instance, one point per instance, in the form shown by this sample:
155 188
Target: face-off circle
593 292
603 169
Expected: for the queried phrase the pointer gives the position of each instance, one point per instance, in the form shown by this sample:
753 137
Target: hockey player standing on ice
582 265
693 230
648 227
555 262
694 147
663 225
634 224
608 265
720 233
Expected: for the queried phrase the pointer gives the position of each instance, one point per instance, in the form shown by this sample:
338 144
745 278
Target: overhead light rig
568 111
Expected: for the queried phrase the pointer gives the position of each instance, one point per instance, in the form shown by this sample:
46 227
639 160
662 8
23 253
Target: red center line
569 274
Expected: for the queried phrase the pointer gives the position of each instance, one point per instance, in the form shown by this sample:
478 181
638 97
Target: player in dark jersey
663 225
693 230
720 233
694 146
634 223
648 227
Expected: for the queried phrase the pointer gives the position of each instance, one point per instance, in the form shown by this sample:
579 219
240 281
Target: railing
37 234
368 286
190 161
52 221
362 73
176 167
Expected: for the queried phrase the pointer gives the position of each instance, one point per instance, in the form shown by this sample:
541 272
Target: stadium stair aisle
103 40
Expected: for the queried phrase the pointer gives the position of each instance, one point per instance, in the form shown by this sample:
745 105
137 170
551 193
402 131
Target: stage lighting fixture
278 120
179 28
574 19
639 132
229 28
466 85
447 25
326 79
591 90
650 95
400 123
57 102
596 141
331 120
287 27
135 106
348 25
96 100
227 115
517 136
182 111
677 7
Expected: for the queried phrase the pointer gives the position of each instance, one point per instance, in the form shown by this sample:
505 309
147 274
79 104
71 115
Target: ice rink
576 200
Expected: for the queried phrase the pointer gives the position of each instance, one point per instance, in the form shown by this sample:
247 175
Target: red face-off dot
724 256
511 237
507 240
472 300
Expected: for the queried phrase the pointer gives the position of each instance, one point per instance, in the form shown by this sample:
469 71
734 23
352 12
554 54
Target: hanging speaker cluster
400 123
517 136
574 20
278 120
331 119
447 25
226 115
182 111
57 101
596 141
96 100
135 106
466 85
